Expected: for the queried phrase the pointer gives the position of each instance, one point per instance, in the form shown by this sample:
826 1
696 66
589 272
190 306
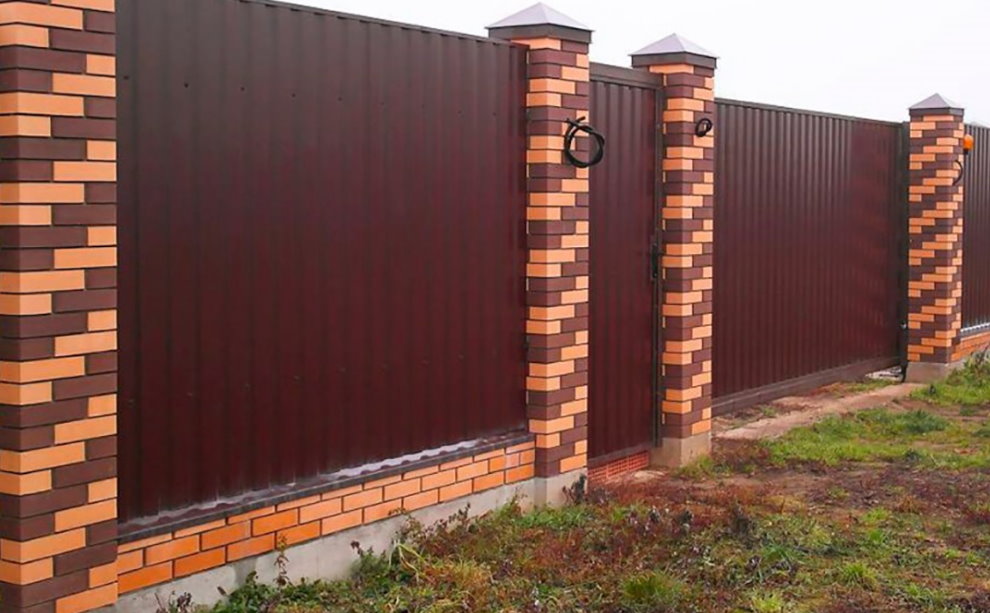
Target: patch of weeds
969 385
772 602
557 519
919 595
863 386
968 411
983 431
702 468
859 574
653 592
768 410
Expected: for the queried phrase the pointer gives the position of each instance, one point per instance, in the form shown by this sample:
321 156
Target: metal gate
809 231
622 366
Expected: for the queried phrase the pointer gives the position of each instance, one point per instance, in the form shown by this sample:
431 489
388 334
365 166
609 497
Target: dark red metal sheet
322 245
976 238
808 221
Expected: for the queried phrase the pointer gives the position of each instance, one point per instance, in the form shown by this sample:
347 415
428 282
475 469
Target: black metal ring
703 127
572 131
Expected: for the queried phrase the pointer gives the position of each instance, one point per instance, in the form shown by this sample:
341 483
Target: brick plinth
58 513
688 165
936 233
557 266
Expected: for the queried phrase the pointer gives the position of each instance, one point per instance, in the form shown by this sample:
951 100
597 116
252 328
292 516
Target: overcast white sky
871 58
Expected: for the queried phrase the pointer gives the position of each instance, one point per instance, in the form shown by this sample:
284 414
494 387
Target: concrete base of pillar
550 491
925 372
677 452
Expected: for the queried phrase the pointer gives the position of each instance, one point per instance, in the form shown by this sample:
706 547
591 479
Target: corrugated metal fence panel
806 234
322 245
623 202
976 238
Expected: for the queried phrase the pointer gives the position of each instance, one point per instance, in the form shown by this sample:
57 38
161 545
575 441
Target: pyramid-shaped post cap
936 102
674 49
540 21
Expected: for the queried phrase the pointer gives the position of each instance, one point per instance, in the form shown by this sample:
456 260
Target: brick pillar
935 255
58 511
688 166
557 223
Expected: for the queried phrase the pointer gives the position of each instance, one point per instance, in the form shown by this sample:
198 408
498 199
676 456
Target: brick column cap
936 103
673 49
540 21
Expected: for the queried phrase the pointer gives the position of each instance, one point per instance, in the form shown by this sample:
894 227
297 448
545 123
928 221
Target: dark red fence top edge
383 22
624 75
789 109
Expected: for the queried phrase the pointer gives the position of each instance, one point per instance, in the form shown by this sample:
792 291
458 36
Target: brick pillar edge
688 169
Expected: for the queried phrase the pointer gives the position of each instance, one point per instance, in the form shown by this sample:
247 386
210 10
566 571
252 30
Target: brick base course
159 559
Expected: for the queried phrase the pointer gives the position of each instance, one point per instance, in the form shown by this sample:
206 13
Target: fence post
935 255
58 424
557 239
688 167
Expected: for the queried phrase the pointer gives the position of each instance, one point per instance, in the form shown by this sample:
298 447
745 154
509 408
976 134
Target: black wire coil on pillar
574 127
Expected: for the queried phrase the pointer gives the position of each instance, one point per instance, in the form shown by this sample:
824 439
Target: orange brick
26 574
43 547
213 525
489 481
23 395
96 5
101 64
370 485
101 236
25 215
27 36
419 501
42 193
402 489
86 257
474 470
341 493
101 490
273 523
296 504
41 14
41 104
520 473
381 511
299 534
85 429
83 85
171 550
251 547
94 342
102 575
199 562
32 304
236 519
87 601
101 405
42 370
143 543
22 485
226 535
85 515
46 281
440 479
149 575
320 510
101 321
25 125
86 171
455 491
40 459
341 522
363 499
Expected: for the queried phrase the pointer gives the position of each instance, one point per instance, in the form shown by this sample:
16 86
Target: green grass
969 386
921 438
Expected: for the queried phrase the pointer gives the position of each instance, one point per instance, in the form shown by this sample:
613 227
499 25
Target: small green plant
772 602
967 386
858 573
653 592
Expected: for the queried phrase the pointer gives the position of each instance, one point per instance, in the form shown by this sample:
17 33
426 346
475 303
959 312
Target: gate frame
619 461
